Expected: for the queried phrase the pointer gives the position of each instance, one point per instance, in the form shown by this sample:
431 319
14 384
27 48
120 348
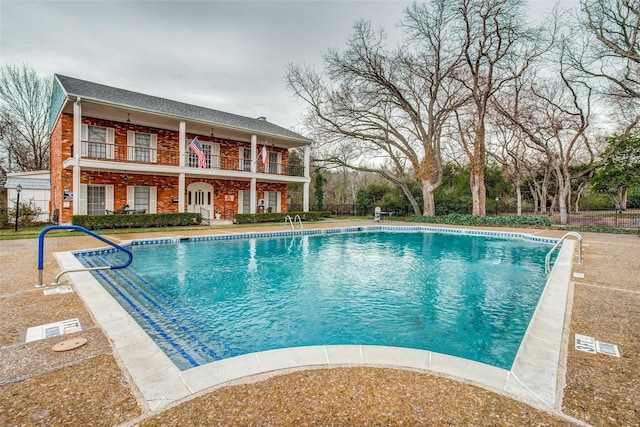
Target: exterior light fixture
128 119
212 135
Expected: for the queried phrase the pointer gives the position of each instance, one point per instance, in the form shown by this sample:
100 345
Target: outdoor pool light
18 190
497 199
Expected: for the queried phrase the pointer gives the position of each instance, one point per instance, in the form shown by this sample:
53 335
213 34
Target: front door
200 199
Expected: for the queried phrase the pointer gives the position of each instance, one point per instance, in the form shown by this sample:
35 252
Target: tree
24 116
621 172
318 183
613 54
498 47
383 111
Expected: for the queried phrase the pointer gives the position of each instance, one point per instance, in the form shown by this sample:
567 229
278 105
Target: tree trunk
429 204
536 199
564 192
478 192
412 200
478 188
519 198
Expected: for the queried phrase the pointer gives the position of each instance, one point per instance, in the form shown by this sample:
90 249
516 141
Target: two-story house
112 147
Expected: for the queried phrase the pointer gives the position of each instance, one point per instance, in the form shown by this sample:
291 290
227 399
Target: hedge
95 222
477 220
275 217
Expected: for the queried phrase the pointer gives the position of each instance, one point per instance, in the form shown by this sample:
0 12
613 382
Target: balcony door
200 196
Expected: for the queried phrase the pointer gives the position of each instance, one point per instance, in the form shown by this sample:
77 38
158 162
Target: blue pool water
462 295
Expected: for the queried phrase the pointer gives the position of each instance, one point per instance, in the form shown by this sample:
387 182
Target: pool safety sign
590 345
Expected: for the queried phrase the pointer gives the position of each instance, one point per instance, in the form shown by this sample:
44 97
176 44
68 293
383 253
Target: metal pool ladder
569 234
293 221
84 230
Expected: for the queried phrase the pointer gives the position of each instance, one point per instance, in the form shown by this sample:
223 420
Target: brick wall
62 146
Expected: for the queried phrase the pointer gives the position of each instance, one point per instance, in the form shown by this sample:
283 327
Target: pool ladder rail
547 260
84 230
293 221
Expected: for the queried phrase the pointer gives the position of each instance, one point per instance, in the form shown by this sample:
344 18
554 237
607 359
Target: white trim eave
302 142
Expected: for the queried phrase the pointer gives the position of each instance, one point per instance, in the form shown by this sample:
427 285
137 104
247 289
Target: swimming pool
453 292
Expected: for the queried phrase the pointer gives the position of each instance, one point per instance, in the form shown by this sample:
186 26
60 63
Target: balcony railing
156 156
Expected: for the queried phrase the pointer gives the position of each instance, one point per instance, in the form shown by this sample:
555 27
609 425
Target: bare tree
24 116
614 55
497 46
383 111
510 151
555 114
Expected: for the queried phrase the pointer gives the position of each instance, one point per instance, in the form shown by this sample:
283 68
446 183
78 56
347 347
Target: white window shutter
82 144
131 196
279 169
154 148
82 200
241 158
240 201
153 199
131 142
108 197
278 200
215 151
110 143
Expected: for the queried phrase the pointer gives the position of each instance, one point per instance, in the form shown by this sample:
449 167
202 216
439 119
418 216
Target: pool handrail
84 230
547 260
293 221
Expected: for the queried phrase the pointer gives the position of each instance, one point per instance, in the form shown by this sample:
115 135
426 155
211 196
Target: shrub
476 220
274 217
27 213
95 222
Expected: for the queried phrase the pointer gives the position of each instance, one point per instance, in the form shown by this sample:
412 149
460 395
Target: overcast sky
226 55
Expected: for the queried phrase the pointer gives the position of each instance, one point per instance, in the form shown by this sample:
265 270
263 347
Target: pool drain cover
69 344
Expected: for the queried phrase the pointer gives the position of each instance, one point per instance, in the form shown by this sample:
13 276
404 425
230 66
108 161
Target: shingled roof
125 98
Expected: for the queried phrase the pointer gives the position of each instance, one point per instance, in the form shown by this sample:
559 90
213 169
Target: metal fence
615 218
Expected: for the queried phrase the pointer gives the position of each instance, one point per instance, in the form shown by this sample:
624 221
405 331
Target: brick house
112 147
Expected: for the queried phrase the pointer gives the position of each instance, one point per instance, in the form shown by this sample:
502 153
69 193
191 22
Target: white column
182 138
77 153
307 174
254 153
181 192
253 195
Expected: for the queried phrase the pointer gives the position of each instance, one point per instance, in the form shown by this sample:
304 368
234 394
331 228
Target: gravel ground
87 386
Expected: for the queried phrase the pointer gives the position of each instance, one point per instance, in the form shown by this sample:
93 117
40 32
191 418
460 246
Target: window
141 147
96 197
142 150
275 160
244 201
272 201
142 199
245 158
97 142
211 154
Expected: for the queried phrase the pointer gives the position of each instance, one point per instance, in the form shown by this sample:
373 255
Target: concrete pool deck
597 389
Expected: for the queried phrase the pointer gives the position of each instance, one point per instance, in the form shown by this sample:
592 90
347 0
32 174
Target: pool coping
534 376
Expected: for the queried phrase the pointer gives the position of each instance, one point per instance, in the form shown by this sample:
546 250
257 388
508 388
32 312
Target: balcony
145 155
